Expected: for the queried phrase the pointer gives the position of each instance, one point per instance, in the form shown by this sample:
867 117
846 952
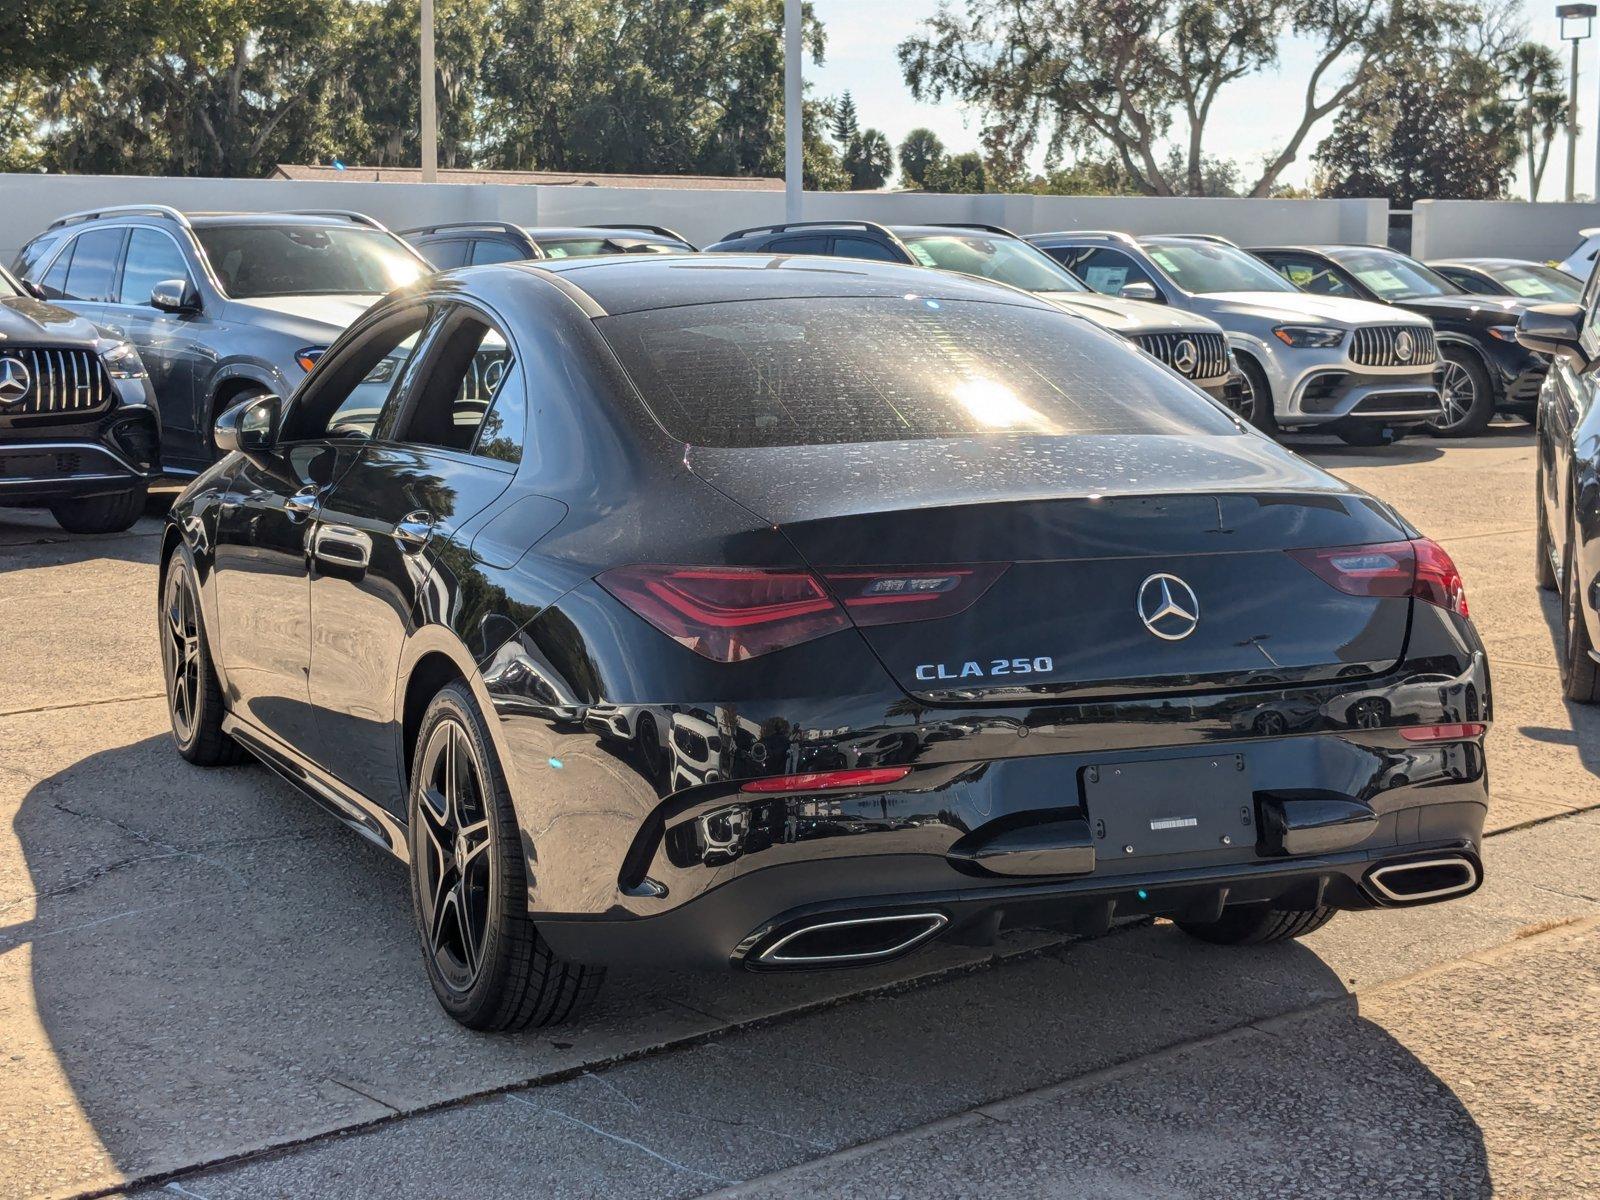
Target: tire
194 695
1544 571
1468 398
1580 675
1369 435
102 514
487 963
1255 396
1257 924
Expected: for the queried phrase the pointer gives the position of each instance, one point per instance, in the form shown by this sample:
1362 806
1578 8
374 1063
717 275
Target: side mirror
1139 289
34 290
175 296
1555 329
251 427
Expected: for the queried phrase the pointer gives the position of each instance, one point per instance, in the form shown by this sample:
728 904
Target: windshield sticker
1530 287
1382 281
924 259
1106 279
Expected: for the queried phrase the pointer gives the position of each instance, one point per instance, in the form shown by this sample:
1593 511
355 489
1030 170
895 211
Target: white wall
1508 228
28 203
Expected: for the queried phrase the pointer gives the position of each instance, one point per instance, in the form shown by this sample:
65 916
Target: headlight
123 362
1506 333
1309 335
307 358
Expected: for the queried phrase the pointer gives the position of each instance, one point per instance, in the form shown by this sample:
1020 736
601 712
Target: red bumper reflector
825 781
1442 733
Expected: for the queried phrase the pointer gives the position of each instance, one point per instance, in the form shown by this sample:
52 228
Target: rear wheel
488 965
1252 397
1580 675
1465 393
1257 924
101 514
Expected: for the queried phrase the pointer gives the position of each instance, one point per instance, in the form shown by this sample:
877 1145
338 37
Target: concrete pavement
197 966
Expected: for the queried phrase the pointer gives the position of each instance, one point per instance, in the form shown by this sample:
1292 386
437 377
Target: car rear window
870 369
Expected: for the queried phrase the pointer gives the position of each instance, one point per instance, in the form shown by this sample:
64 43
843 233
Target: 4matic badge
974 669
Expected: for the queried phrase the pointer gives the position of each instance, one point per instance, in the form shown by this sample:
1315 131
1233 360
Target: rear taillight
826 781
1418 568
730 614
1443 733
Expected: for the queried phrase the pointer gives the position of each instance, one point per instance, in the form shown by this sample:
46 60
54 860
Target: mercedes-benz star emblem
1404 346
14 380
1186 356
1168 607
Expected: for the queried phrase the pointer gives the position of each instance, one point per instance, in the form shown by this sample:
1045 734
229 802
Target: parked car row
214 309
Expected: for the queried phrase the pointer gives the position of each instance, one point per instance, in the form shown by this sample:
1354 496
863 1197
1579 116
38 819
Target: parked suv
1340 366
1485 368
78 434
474 243
1193 346
221 306
1518 278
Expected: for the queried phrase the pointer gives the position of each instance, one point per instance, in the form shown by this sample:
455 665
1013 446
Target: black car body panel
452 244
68 428
1463 319
626 751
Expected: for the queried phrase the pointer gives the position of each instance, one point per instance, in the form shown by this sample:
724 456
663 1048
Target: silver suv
1348 367
221 306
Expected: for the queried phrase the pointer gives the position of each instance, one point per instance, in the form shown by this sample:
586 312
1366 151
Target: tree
919 151
869 160
1537 83
845 124
962 173
1094 76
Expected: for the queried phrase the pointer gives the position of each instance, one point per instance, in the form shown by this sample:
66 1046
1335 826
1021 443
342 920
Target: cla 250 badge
930 672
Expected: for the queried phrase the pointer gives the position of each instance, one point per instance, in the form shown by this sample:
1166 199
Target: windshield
1206 267
589 247
255 261
1530 281
1002 259
832 370
1395 277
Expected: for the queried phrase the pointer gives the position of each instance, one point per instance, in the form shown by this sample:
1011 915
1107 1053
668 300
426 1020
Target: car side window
152 258
54 284
857 247
799 245
33 254
447 253
94 265
1109 271
355 395
1311 275
468 394
495 250
1467 281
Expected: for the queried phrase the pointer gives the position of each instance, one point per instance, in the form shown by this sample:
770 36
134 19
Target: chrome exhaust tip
853 941
1424 879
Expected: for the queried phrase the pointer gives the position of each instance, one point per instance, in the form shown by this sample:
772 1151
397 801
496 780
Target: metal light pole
793 113
430 110
1573 18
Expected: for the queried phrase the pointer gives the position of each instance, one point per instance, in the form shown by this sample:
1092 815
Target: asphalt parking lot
208 989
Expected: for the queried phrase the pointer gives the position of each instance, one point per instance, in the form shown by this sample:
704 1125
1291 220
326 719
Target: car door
1565 424
167 343
264 532
393 519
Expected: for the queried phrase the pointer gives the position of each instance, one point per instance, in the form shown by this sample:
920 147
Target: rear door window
496 250
857 247
867 369
799 245
447 254
94 265
33 254
153 257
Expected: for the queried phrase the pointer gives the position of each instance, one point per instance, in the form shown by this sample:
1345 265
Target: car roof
199 219
1483 262
1329 249
633 283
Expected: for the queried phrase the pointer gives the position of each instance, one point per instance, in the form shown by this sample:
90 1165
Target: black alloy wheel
194 695
488 965
1580 674
1465 395
1544 567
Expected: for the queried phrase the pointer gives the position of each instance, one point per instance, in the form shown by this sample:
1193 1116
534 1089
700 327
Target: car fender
436 639
249 370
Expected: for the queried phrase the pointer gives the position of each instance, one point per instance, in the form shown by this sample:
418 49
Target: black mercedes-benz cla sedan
794 612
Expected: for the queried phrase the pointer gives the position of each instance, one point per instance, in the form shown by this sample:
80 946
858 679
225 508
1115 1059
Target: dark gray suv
221 306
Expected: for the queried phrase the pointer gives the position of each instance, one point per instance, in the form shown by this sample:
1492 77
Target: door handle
342 545
413 530
301 505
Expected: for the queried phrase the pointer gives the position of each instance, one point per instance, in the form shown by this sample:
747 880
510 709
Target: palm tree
1535 75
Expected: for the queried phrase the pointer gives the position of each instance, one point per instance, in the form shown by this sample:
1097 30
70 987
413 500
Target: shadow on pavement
215 968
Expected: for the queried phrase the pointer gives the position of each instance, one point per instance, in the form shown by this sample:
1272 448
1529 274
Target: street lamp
1574 17
430 111
793 112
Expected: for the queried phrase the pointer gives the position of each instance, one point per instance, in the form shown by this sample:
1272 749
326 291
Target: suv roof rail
343 214
123 210
1216 238
638 227
872 226
978 225
1116 235
442 226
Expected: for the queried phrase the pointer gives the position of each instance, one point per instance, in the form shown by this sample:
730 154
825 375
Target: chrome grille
1211 351
1377 346
59 381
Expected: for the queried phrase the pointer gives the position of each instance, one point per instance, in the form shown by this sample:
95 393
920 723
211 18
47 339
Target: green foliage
846 124
963 173
919 151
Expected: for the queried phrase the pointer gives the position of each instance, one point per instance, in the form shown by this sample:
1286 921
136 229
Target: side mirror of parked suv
1555 329
251 427
175 296
1140 290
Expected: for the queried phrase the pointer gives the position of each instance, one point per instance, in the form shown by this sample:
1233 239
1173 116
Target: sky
1251 119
